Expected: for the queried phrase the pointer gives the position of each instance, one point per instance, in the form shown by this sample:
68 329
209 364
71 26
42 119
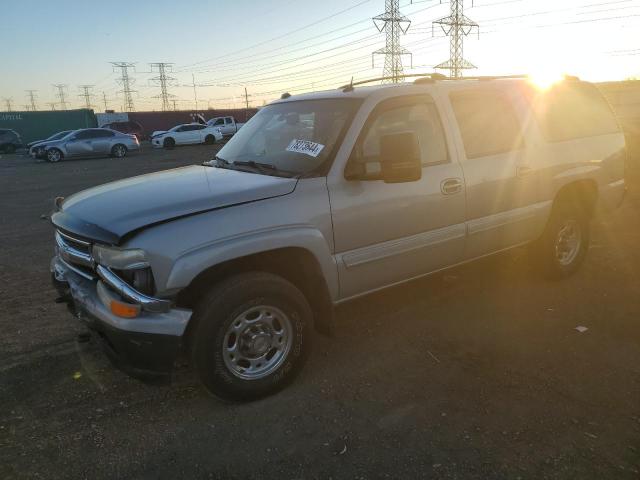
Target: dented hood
109 212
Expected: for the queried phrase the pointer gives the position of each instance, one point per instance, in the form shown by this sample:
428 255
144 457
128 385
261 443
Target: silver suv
324 197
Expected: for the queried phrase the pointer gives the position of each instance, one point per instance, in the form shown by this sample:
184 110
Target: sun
545 78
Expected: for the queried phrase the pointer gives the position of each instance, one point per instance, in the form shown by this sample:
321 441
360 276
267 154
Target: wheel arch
295 264
581 194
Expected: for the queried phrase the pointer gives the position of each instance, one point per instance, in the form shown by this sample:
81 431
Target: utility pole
162 79
32 100
8 103
457 26
126 83
195 94
104 99
86 95
246 105
61 95
393 23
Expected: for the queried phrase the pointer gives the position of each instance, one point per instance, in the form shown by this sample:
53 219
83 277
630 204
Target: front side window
219 121
295 136
83 135
198 127
488 123
227 121
420 118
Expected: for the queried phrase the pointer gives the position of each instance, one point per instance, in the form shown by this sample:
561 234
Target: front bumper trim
149 304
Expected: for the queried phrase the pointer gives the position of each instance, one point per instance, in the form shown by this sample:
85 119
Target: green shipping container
40 125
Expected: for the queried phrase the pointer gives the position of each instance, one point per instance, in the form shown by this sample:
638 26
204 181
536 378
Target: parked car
186 134
36 150
129 127
227 125
9 140
328 196
89 142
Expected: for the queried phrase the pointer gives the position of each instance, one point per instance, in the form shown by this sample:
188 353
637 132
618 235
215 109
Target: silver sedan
88 142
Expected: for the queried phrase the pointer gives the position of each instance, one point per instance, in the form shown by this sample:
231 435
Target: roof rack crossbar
436 75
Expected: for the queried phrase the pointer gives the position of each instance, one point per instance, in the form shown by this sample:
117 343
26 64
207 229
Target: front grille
75 252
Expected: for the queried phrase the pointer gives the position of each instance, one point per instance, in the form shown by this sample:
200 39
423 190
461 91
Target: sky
269 47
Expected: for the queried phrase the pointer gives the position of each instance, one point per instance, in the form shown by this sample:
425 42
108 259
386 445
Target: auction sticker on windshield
306 147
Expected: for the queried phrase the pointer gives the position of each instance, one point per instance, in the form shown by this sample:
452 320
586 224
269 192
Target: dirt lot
476 373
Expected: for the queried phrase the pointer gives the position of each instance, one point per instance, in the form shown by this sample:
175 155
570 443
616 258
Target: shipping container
42 124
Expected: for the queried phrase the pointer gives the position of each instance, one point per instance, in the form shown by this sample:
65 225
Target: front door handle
451 186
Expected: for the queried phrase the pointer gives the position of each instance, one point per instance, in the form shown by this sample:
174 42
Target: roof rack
432 76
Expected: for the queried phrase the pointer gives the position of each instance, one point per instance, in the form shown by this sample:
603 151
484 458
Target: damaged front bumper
147 344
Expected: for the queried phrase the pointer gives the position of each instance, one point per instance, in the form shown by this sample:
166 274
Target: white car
186 134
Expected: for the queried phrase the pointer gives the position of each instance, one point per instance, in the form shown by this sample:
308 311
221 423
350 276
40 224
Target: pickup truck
324 197
227 125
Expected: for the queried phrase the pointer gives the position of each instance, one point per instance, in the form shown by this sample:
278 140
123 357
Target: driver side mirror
400 158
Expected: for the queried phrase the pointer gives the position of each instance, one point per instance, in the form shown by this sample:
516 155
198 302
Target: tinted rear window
488 124
572 110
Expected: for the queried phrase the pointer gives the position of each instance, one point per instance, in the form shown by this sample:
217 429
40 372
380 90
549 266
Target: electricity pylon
457 26
86 95
32 99
8 103
162 79
393 23
61 96
126 84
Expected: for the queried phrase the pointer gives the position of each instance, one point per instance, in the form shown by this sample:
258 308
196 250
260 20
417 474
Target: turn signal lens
124 310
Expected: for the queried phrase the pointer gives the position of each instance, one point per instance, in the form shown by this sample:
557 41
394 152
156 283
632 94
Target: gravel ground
474 373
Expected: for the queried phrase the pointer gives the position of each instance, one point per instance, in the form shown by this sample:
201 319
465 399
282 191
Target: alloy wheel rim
54 155
119 151
257 342
568 242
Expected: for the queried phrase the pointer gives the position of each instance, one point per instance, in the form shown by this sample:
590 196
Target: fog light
125 310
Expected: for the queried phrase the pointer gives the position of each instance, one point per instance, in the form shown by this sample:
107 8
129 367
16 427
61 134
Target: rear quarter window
487 121
572 110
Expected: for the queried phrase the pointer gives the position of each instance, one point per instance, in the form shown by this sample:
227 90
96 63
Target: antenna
393 23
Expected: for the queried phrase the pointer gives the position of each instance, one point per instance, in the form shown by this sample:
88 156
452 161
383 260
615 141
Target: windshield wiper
262 167
215 162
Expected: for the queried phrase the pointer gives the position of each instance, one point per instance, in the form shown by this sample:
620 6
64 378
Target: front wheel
210 140
118 151
169 143
565 242
251 336
54 155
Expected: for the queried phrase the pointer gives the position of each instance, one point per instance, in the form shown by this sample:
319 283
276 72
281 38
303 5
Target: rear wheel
251 337
169 143
118 151
209 140
54 155
565 242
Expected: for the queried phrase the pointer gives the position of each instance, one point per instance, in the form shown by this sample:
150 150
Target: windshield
59 135
296 137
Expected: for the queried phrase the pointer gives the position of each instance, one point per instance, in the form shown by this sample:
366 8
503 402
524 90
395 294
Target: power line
61 95
457 26
393 23
32 100
126 83
87 95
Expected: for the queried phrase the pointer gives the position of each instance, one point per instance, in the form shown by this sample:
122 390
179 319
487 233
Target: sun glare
545 78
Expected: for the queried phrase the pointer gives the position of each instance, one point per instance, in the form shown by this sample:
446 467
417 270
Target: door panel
387 233
499 169
78 147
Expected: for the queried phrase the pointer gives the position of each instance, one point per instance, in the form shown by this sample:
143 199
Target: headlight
120 259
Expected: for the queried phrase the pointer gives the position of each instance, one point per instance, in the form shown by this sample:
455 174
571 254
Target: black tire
169 143
119 151
209 140
54 155
556 256
226 309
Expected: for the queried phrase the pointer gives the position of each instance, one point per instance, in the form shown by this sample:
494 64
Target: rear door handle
451 186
